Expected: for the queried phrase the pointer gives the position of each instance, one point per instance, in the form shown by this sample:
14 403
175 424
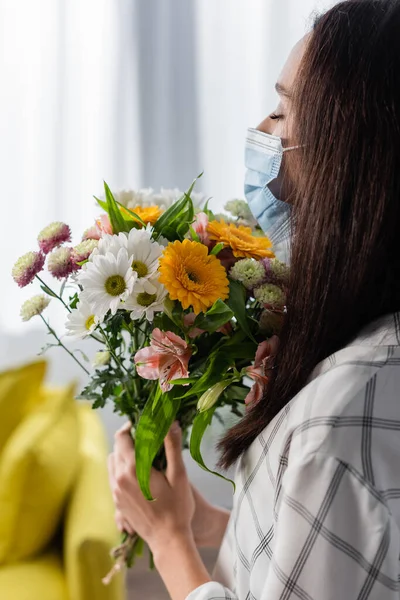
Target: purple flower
27 267
53 235
61 264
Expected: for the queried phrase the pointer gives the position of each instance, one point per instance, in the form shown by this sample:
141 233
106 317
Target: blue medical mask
263 160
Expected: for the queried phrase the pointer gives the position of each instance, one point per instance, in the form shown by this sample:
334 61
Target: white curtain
136 92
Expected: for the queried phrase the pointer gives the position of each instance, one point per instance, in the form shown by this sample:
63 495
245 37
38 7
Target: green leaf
217 248
165 323
193 234
132 214
212 395
217 316
174 311
217 366
245 350
48 291
173 218
183 381
152 428
117 221
73 300
208 211
237 302
200 424
236 393
190 190
186 219
170 215
101 203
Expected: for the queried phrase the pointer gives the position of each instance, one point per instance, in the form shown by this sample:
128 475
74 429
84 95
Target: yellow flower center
140 268
115 285
145 299
89 322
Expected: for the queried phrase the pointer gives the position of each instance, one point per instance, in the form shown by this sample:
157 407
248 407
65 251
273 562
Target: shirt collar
373 344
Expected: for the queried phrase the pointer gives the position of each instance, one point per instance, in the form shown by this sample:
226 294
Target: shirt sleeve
212 591
334 536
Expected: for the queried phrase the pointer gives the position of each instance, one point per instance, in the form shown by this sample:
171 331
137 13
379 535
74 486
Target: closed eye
276 117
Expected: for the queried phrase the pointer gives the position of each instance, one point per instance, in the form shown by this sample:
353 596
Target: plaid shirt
316 513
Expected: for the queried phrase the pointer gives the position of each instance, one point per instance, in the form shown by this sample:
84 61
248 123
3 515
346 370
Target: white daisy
81 321
109 243
107 281
144 251
145 257
142 303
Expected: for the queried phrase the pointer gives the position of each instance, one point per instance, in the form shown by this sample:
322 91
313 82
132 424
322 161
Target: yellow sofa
56 511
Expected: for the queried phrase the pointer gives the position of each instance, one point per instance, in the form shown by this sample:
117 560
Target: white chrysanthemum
107 281
82 251
81 321
142 303
148 197
101 358
270 295
34 306
239 209
248 271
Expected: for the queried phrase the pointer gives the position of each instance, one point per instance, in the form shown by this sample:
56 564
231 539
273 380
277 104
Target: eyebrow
282 91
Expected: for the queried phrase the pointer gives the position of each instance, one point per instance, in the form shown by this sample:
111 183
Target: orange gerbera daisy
192 276
241 239
148 214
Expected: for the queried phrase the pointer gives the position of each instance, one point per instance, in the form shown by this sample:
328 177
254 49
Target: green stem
113 354
53 333
53 292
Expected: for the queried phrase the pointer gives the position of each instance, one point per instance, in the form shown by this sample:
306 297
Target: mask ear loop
292 148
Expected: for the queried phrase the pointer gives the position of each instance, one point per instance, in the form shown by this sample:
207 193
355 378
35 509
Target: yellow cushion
19 391
38 579
90 530
37 470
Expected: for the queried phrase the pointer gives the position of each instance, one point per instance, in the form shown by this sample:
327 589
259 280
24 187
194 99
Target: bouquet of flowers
184 304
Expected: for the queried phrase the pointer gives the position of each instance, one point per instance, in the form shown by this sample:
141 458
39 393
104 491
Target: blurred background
140 93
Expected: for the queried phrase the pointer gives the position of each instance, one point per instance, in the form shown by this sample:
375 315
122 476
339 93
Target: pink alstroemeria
167 358
104 224
265 354
188 321
93 233
96 231
200 225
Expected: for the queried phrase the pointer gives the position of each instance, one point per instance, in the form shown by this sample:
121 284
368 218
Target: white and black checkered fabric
317 508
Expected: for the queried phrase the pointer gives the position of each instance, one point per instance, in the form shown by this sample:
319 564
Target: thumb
173 452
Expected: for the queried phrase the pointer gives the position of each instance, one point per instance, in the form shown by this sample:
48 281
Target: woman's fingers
126 427
124 449
123 524
173 450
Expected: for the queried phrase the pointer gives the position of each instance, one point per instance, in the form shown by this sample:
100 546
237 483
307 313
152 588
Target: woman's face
279 122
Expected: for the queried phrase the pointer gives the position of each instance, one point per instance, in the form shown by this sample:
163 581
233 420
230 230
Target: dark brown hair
345 267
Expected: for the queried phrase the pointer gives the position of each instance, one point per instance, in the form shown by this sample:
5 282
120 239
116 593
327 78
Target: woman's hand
164 524
172 511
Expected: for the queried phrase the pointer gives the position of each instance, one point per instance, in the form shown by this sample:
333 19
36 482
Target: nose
266 126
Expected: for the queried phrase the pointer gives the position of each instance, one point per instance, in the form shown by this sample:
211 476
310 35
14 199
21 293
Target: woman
316 512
